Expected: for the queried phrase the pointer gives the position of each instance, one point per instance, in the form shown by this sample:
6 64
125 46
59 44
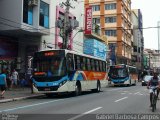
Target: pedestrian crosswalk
138 93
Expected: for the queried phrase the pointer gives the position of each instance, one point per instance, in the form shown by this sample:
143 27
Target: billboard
95 48
88 21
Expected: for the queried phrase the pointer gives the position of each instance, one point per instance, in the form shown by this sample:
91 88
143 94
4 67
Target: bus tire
134 83
98 89
129 84
49 95
98 86
78 89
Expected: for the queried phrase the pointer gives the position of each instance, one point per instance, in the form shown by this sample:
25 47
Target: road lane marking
27 106
123 93
83 114
121 99
115 89
136 93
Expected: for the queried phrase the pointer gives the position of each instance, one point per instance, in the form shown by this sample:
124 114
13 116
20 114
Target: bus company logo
88 21
97 74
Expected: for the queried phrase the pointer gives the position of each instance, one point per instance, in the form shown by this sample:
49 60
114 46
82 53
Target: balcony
96 33
96 29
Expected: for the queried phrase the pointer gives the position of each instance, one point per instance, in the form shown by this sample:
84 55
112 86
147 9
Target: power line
74 35
78 43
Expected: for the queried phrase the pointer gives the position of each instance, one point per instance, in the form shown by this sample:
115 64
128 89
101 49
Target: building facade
27 26
152 60
138 42
114 18
22 24
57 11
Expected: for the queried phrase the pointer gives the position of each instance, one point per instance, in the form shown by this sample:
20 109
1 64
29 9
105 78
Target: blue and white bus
67 71
122 75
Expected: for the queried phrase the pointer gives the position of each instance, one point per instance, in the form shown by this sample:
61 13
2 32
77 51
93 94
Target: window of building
135 49
111 32
27 13
110 6
44 14
96 7
139 50
96 20
110 19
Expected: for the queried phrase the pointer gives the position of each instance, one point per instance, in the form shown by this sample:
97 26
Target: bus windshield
54 66
118 73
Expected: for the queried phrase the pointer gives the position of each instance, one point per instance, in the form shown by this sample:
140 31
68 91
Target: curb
20 98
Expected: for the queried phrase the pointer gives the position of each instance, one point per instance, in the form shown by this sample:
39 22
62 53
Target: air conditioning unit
33 2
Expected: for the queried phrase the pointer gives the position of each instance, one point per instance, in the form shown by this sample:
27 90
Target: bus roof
73 52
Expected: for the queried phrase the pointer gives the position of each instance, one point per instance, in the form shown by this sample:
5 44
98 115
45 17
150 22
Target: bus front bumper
120 83
54 89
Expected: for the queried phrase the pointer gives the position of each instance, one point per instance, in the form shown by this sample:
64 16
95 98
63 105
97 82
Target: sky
151 15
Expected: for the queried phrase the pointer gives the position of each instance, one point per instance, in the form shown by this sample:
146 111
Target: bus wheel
98 86
134 83
98 89
78 89
49 95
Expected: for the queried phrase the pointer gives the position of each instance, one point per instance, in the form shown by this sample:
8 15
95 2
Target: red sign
49 53
88 21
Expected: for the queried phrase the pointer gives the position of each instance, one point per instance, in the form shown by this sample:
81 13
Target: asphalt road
88 106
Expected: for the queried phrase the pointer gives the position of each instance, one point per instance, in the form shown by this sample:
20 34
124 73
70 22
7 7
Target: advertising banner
88 21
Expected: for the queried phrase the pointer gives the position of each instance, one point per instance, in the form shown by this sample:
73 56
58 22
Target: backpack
154 81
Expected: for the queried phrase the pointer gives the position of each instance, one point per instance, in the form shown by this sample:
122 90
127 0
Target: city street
113 100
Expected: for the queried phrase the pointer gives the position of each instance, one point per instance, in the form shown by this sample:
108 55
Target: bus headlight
62 83
34 85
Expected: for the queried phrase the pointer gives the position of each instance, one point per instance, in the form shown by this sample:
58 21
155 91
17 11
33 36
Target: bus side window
100 66
82 62
77 62
70 63
92 64
104 66
88 64
97 65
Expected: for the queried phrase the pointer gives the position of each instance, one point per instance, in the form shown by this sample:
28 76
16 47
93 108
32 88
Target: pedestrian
3 84
29 75
15 78
7 72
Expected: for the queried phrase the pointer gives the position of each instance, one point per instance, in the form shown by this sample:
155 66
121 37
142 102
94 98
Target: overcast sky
151 15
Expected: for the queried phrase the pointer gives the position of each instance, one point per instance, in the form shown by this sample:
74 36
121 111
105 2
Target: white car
145 80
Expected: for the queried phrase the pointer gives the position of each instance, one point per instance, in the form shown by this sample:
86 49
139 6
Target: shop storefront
8 53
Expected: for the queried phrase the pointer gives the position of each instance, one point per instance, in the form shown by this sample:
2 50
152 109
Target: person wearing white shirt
14 78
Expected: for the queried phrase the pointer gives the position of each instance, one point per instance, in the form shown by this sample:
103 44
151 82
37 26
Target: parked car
145 80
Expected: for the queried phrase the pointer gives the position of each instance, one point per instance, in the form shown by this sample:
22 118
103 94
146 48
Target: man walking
15 78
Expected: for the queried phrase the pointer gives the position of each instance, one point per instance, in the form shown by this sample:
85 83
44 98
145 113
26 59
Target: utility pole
66 25
66 22
158 37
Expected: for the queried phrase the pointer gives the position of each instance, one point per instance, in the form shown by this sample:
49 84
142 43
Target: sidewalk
18 94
